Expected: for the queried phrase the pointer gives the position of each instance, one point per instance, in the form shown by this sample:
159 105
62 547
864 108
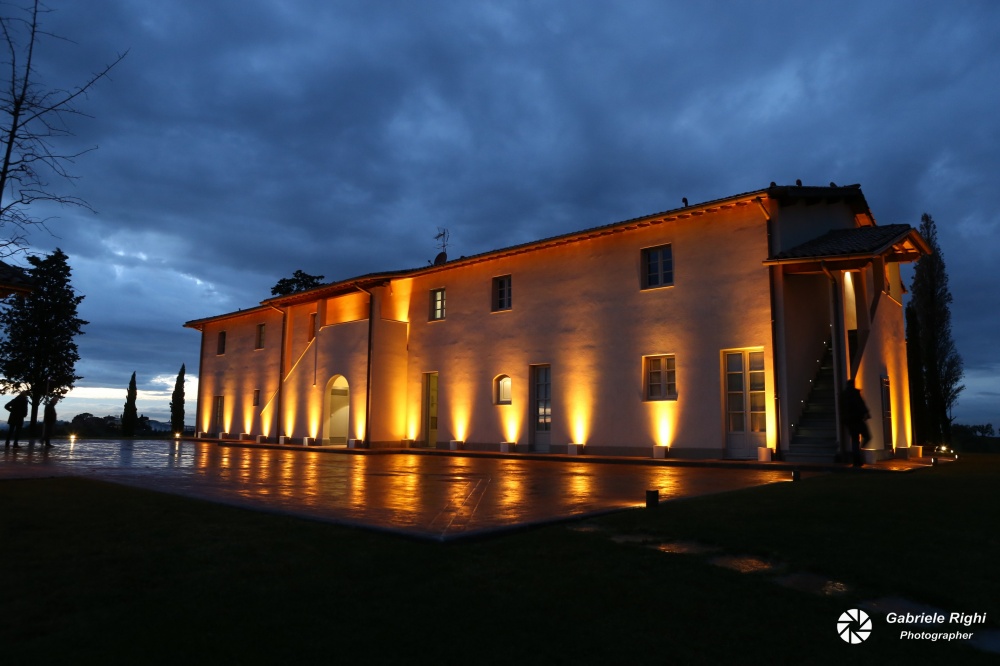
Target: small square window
437 305
657 267
259 340
501 293
660 377
221 348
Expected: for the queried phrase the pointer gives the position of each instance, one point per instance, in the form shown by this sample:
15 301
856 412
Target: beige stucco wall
240 370
579 308
885 356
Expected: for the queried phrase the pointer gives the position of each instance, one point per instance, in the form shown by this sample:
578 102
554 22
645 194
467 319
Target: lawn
96 571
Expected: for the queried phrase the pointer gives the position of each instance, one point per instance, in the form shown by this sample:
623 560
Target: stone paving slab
428 496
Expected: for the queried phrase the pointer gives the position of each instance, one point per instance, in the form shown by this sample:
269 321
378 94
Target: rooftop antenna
442 239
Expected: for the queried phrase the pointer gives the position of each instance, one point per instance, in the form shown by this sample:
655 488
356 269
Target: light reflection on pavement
440 497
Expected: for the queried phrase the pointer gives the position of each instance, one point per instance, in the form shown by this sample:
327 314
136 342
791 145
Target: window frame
438 306
501 299
667 369
664 278
498 390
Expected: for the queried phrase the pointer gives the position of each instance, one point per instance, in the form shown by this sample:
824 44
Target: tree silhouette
130 416
34 118
300 281
939 365
177 404
38 351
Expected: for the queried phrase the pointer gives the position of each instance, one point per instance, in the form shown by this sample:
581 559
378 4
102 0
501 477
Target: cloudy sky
242 140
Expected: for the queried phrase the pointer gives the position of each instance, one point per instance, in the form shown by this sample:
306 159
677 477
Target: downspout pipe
278 414
368 379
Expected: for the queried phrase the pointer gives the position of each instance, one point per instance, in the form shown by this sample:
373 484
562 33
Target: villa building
720 329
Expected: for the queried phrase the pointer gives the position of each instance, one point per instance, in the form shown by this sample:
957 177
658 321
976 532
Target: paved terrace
430 494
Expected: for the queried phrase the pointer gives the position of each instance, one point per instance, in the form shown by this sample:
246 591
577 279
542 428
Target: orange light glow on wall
397 306
314 413
581 409
460 422
248 415
358 411
459 403
266 422
664 422
291 407
511 424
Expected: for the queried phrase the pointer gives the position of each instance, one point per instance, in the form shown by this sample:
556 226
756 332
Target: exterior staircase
815 438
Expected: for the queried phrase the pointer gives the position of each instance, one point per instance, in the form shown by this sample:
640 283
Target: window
660 374
218 409
437 304
312 325
259 340
256 397
542 397
501 293
501 390
222 343
657 267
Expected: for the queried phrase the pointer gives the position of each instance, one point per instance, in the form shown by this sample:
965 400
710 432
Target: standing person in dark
18 408
855 413
49 421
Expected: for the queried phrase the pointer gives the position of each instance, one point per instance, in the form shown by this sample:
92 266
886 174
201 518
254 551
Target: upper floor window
259 339
660 374
256 397
221 348
501 293
313 320
501 390
437 304
657 267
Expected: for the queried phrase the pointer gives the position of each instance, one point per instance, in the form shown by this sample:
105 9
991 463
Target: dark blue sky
242 140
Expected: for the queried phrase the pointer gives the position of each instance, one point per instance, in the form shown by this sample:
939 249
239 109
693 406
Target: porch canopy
847 249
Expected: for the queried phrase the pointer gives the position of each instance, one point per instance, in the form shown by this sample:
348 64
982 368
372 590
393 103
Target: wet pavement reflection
440 497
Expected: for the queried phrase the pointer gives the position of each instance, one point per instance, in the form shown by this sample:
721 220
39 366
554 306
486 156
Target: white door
745 412
338 411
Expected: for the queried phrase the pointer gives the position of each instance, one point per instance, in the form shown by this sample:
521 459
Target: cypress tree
177 404
940 364
130 417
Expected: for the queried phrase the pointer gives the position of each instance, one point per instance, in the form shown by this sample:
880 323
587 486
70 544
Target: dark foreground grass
94 571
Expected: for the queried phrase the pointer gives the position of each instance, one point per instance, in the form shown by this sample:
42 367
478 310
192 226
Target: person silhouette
855 413
18 408
48 421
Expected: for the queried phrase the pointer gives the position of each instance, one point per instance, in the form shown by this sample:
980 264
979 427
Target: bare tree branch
33 119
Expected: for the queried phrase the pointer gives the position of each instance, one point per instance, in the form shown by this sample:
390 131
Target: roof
859 242
13 279
782 194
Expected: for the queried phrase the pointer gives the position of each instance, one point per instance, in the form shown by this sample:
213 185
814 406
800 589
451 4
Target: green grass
97 571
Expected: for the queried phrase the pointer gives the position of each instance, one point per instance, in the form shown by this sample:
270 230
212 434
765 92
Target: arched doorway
336 411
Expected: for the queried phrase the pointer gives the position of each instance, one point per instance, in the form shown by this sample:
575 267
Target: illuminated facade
697 332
